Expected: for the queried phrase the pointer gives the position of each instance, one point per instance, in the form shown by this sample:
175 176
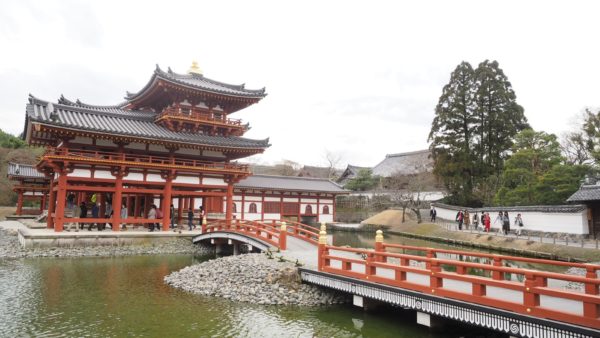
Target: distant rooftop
407 163
290 183
23 171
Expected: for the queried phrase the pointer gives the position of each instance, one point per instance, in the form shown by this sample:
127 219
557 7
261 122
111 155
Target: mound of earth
388 218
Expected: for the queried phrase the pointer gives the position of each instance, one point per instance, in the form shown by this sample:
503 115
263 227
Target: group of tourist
464 218
85 211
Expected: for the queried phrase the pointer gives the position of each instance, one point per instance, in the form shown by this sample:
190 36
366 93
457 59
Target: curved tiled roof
414 162
118 121
586 193
23 170
198 81
290 183
77 103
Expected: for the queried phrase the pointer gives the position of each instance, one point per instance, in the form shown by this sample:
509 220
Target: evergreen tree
363 181
591 133
451 134
560 182
534 154
499 117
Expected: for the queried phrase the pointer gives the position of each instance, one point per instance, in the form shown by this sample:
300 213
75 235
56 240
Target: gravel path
252 278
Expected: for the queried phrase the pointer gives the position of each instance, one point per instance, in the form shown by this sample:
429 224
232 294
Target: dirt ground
6 211
391 221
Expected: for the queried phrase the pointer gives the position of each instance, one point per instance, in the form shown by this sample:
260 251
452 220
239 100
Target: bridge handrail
494 256
299 230
255 229
533 286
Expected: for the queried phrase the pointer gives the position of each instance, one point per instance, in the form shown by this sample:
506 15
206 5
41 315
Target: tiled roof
586 193
23 170
118 121
198 81
414 162
312 171
290 183
532 208
350 173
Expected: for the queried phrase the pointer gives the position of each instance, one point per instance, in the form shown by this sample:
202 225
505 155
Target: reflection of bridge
476 288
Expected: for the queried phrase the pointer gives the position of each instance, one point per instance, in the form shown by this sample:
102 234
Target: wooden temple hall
174 142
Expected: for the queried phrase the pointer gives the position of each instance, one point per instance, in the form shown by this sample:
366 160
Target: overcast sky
360 79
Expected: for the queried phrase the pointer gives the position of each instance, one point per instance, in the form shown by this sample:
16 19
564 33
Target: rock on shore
10 248
252 278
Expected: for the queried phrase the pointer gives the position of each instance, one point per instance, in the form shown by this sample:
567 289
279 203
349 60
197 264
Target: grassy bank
390 221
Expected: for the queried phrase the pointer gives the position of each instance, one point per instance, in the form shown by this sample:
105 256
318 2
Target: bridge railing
264 231
526 291
299 230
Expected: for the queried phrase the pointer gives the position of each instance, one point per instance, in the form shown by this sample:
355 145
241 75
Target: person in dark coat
190 219
433 214
95 213
460 218
82 213
172 211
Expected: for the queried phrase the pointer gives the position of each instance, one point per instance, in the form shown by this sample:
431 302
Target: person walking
475 221
487 222
152 216
505 223
190 219
202 215
95 213
460 217
519 224
82 214
123 216
172 211
498 219
432 214
467 218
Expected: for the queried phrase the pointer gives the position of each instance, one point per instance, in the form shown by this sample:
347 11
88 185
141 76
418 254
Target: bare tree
408 192
573 147
287 168
332 161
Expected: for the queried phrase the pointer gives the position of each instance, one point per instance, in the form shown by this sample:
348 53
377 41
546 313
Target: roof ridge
407 153
295 177
89 110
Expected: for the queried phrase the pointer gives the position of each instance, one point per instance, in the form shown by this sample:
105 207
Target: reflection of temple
173 142
30 185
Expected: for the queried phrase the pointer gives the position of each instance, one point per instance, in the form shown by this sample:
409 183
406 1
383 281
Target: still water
126 297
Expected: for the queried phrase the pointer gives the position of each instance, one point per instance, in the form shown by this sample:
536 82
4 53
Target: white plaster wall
81 173
573 223
187 151
157 147
324 201
213 181
154 178
326 218
272 216
211 153
187 179
313 207
136 145
286 199
252 217
237 198
103 174
101 142
134 177
197 202
253 198
308 200
82 140
272 199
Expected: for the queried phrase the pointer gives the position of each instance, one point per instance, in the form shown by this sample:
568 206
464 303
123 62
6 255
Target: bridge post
379 246
497 275
530 299
283 236
591 310
322 251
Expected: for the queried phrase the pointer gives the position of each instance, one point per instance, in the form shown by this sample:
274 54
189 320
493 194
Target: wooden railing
479 283
138 159
299 230
199 117
266 232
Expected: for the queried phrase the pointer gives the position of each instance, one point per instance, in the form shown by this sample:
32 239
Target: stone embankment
10 248
252 278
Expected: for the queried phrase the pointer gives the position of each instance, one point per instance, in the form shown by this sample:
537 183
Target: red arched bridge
481 289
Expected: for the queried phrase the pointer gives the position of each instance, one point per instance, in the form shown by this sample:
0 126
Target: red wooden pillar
179 209
318 208
243 204
186 201
100 198
19 203
193 203
229 204
51 205
137 206
117 201
166 203
43 202
262 207
61 199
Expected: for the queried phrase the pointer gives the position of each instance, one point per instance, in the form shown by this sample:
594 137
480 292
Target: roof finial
194 69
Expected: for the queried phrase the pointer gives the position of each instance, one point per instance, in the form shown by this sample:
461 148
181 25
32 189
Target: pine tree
499 117
451 134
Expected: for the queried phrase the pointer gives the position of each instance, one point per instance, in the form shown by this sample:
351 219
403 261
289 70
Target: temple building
30 185
172 143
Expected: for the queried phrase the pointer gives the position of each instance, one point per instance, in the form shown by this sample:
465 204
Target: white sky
360 79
